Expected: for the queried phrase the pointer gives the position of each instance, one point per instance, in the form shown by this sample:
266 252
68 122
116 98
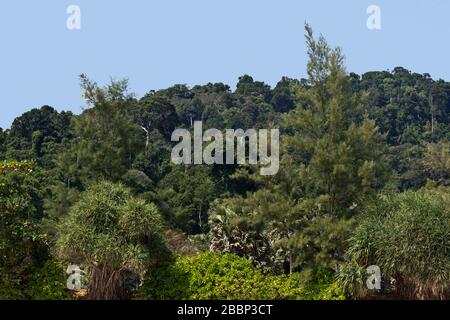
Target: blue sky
158 43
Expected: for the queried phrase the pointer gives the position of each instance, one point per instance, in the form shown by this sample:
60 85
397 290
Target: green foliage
58 205
38 134
233 231
20 213
48 282
323 241
111 233
407 106
108 140
283 99
408 237
338 154
188 191
248 87
156 113
3 137
341 155
333 162
208 276
226 276
319 284
10 286
437 162
341 135
107 143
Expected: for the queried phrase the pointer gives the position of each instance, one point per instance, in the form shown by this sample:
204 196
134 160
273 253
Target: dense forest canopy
411 109
359 153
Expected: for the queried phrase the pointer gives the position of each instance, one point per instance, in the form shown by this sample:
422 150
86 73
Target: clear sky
158 43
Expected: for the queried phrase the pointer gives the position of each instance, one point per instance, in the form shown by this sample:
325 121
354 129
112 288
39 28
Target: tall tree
156 112
105 144
341 154
107 140
333 162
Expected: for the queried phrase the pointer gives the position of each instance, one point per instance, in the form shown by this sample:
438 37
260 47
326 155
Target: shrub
10 288
408 237
318 284
223 277
115 235
48 282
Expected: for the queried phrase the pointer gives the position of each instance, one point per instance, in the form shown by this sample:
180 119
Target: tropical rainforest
364 180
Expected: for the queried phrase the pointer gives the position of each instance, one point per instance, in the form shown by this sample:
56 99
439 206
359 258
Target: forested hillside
364 180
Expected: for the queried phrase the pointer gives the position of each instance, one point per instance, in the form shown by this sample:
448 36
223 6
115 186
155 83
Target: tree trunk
106 284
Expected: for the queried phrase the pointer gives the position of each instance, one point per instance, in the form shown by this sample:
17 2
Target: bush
10 288
318 284
408 237
113 235
213 276
48 282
